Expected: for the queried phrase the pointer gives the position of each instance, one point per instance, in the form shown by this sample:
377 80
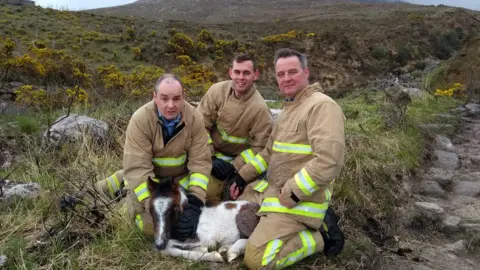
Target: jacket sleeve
208 108
259 133
199 160
259 164
137 153
325 131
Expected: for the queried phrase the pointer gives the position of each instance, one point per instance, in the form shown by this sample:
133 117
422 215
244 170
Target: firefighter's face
243 76
169 98
291 77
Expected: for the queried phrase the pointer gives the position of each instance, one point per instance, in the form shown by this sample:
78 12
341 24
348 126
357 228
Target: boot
333 236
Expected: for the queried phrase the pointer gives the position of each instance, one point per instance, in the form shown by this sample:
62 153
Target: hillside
218 11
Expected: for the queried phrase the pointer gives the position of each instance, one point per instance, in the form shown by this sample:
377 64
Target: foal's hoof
222 250
232 256
218 257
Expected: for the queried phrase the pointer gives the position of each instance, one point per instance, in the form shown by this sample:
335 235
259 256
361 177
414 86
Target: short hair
286 52
244 57
164 77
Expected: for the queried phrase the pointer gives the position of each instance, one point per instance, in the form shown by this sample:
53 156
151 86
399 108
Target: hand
221 169
187 223
333 237
288 199
236 189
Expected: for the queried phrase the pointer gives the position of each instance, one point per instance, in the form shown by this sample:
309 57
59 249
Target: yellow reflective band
328 195
209 139
293 148
142 192
139 222
305 182
232 139
224 157
273 247
248 155
261 186
184 182
169 161
307 249
259 163
198 179
306 209
113 184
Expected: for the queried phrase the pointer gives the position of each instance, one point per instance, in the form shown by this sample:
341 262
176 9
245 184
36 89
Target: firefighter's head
291 71
243 74
169 96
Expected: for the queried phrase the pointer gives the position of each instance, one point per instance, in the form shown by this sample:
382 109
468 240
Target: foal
216 227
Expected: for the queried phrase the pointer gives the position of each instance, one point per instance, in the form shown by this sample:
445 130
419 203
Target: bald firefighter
303 156
237 120
165 138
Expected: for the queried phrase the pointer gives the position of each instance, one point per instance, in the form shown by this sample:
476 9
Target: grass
367 188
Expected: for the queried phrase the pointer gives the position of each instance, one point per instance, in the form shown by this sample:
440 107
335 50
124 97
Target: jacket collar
304 93
247 96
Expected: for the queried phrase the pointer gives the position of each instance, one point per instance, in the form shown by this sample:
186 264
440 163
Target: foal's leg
196 246
236 249
193 255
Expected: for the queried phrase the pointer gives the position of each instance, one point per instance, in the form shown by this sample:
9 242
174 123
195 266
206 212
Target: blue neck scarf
169 124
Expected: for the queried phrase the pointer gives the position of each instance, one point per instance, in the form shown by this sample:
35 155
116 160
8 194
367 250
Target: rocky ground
442 219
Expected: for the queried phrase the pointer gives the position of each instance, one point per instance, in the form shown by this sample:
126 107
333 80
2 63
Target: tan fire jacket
303 155
186 157
237 127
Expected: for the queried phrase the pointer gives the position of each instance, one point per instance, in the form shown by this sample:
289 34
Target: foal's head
166 204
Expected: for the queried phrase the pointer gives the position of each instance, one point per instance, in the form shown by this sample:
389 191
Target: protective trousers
279 240
135 210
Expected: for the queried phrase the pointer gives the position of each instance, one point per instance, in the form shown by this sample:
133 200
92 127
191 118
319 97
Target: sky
89 4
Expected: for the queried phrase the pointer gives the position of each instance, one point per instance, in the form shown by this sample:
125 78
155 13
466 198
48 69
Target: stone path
446 210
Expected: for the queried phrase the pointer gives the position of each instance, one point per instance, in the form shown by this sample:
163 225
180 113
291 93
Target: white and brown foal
216 228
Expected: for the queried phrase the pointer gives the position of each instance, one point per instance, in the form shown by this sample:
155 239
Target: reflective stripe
248 155
139 222
224 157
271 251
305 182
169 161
292 148
231 139
184 182
113 184
328 195
259 163
261 186
198 179
142 192
210 141
308 248
307 209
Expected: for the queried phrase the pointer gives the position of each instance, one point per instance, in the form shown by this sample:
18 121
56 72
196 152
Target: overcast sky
88 4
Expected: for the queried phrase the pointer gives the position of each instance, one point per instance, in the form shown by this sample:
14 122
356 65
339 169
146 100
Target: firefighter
238 122
302 158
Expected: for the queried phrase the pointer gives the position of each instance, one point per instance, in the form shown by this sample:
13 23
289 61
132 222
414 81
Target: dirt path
443 222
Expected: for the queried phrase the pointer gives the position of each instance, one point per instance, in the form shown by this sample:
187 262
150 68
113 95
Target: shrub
379 52
205 37
280 37
181 44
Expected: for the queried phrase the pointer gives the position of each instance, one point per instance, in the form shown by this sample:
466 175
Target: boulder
413 92
467 188
12 189
73 128
444 143
446 160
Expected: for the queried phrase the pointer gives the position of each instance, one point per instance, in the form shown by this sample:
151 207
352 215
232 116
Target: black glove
333 236
221 169
67 202
187 223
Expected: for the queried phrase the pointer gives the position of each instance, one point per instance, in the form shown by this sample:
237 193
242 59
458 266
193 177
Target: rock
429 207
441 176
471 227
471 177
446 160
475 159
457 202
445 116
275 113
433 189
474 109
467 188
22 190
458 247
469 213
73 128
3 260
439 128
5 159
451 224
444 258
413 92
444 143
425 214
